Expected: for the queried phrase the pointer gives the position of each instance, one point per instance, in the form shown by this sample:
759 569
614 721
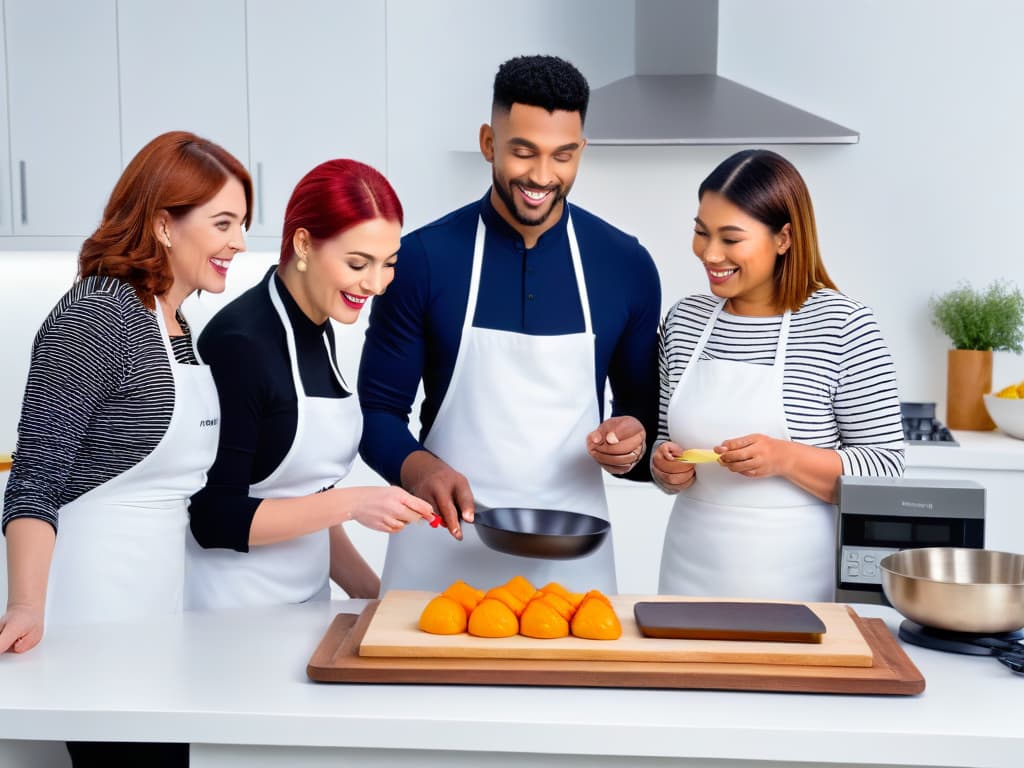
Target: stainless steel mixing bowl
958 589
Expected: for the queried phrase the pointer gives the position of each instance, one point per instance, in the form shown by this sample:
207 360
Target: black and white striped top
99 397
839 384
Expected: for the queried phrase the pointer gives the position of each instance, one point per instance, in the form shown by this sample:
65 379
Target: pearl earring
300 265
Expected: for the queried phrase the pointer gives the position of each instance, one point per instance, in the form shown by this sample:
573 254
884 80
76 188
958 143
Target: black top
247 351
99 397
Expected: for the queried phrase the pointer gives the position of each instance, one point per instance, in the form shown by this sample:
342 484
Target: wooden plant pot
968 377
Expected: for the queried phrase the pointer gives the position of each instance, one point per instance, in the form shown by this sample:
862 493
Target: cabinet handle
259 193
23 185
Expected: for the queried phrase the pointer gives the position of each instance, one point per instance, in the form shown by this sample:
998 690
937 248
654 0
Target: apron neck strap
478 258
166 338
289 335
780 350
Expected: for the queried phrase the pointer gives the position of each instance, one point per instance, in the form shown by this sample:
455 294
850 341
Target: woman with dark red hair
119 421
268 526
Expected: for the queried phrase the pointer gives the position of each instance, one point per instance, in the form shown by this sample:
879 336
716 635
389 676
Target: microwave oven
878 516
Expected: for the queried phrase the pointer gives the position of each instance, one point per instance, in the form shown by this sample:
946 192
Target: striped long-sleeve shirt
839 385
99 397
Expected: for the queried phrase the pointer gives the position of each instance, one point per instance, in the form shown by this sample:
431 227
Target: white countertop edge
726 742
207 693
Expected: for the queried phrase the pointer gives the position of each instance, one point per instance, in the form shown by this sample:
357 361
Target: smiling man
514 312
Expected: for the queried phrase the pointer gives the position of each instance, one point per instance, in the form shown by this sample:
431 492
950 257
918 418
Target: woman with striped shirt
119 422
786 379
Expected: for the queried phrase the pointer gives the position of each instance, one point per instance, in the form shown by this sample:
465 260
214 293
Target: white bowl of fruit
1006 407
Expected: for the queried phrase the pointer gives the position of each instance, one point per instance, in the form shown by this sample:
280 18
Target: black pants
100 754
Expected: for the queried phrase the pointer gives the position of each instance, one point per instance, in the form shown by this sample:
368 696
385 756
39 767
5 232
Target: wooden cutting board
394 633
337 660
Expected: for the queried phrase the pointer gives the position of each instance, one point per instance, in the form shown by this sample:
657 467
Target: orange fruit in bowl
521 587
464 594
506 596
1009 392
443 616
596 620
492 618
542 620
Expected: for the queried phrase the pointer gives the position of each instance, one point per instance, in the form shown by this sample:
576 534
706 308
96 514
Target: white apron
735 536
327 434
120 547
514 421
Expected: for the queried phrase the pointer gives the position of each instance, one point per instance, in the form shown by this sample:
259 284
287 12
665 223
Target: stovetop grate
921 427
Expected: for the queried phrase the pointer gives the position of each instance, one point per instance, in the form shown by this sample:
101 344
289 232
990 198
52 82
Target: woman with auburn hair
268 526
119 421
786 379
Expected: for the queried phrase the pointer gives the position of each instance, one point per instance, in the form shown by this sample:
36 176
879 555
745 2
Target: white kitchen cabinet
316 92
182 67
65 148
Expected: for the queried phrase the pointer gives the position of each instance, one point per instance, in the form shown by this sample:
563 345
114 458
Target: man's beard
507 196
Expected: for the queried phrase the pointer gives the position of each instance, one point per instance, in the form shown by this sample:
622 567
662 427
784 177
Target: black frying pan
547 533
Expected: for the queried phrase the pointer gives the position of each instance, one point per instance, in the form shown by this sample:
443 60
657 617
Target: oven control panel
859 564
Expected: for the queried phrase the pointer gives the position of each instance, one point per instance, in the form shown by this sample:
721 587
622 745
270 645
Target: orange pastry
521 587
492 618
596 593
555 588
443 616
595 620
576 598
564 607
464 594
506 596
541 619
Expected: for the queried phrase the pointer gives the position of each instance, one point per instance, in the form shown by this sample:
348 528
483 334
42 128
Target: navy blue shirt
416 326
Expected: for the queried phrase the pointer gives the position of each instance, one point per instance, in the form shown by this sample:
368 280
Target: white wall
928 197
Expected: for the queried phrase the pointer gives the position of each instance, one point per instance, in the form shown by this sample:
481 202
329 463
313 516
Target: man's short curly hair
541 81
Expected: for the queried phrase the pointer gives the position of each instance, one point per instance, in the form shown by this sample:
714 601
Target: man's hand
617 444
426 476
669 473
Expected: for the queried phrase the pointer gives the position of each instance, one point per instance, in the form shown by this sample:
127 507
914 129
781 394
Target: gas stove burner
921 426
1007 647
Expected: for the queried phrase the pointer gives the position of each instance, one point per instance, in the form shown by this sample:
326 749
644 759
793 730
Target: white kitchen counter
992 450
234 685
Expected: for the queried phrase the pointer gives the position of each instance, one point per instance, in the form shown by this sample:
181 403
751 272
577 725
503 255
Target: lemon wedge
1009 392
698 456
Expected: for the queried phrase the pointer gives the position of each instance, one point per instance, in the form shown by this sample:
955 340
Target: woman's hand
389 509
755 455
672 475
21 628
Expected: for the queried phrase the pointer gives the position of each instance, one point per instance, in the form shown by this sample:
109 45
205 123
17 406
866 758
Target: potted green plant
978 323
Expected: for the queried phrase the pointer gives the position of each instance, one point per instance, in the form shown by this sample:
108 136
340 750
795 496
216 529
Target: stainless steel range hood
677 97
